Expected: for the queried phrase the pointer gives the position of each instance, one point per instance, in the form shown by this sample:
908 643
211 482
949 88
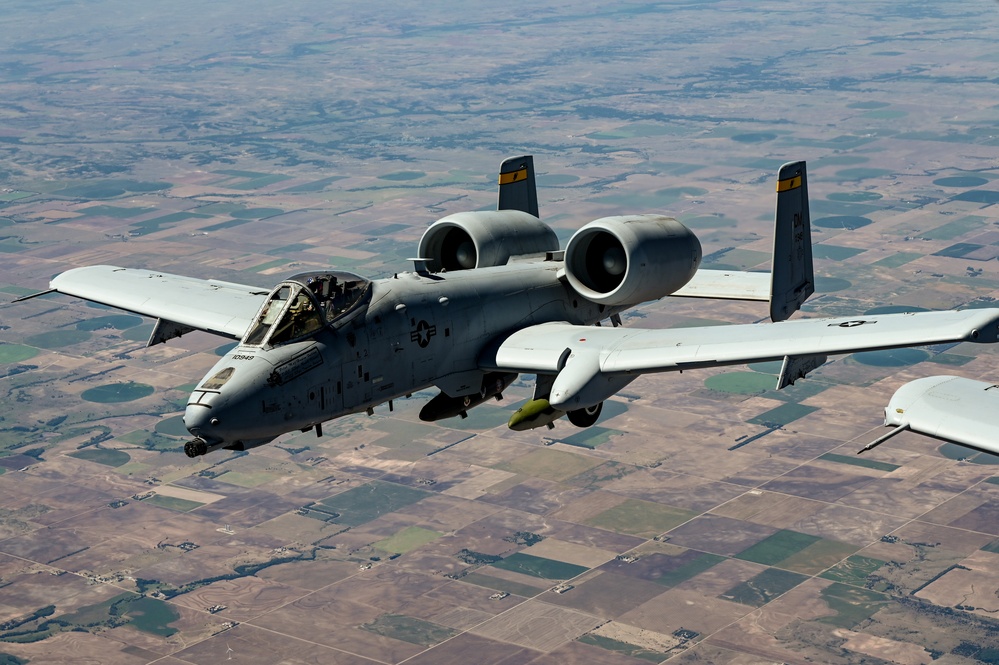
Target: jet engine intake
631 259
484 238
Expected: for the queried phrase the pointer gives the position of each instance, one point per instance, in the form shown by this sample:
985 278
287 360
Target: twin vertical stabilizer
517 187
792 280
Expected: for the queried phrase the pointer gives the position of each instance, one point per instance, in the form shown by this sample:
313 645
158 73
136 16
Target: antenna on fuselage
517 187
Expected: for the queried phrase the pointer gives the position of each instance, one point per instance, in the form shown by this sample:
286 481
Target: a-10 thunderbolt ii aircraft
492 296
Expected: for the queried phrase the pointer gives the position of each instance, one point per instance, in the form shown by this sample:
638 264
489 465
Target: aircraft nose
200 421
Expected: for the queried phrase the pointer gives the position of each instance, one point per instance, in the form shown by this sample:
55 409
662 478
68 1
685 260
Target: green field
107 189
847 222
689 570
835 252
591 437
894 309
891 357
708 222
367 502
173 426
268 265
830 284
407 539
173 503
536 566
314 186
138 333
115 321
754 137
985 196
490 582
956 452
228 224
409 629
624 648
104 456
602 474
153 616
663 198
898 259
782 415
956 228
861 173
550 464
402 176
15 353
113 393
152 441
818 557
854 197
257 183
776 548
165 221
951 359
641 518
146 614
854 570
255 213
851 604
116 212
763 588
57 339
248 479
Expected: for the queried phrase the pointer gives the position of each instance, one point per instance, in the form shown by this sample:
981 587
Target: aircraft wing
950 408
727 284
222 308
581 355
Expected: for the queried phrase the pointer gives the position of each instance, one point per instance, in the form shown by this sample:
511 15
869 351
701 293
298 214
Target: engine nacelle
631 259
484 238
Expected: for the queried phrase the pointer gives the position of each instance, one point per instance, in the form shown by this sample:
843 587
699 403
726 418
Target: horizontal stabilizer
727 285
791 279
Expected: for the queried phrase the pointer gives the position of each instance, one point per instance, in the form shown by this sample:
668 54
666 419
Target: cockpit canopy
304 303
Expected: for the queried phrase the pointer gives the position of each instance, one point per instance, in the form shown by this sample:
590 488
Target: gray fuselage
409 332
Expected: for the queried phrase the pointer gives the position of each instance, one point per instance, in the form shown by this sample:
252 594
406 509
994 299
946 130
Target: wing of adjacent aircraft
180 303
584 358
950 408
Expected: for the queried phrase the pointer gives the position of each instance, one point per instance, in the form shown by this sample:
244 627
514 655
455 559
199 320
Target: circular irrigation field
891 357
113 393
